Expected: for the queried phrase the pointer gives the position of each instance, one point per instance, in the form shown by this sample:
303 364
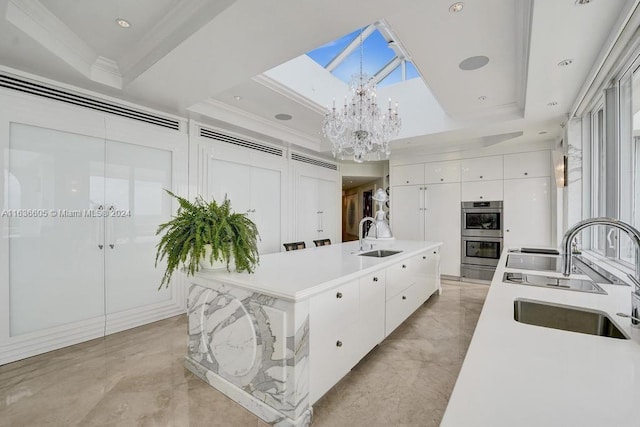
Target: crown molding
287 92
220 111
36 21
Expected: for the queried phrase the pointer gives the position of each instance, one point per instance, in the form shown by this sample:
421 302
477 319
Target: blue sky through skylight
376 55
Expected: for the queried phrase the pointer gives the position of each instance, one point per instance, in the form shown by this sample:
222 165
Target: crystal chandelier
359 129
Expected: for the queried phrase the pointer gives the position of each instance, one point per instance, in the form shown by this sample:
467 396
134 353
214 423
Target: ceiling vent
32 88
304 159
211 134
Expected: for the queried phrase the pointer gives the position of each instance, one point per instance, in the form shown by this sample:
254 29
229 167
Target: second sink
553 282
380 253
566 318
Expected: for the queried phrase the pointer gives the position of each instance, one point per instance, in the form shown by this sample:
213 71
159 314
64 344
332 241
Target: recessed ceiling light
283 116
123 23
542 132
482 98
473 63
565 62
552 104
237 97
456 7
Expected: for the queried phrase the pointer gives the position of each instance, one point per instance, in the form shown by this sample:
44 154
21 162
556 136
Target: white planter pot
216 265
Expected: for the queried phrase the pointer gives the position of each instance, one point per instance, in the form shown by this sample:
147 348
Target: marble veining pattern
239 339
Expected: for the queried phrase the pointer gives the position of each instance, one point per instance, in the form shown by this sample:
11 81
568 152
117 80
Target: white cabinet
482 168
426 269
442 172
252 190
407 174
95 187
527 165
527 212
372 307
482 191
399 277
442 223
317 209
407 212
333 336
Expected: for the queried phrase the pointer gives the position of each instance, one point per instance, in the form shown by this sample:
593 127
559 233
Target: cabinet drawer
401 306
372 308
427 272
481 191
481 168
331 355
440 172
407 174
399 277
335 308
527 165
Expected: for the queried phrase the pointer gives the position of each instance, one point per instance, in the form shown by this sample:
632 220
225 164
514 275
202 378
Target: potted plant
206 231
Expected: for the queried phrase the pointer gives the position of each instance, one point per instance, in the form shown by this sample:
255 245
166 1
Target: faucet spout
361 229
633 233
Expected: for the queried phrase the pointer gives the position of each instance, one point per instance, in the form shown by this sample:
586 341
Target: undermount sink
380 253
553 282
566 318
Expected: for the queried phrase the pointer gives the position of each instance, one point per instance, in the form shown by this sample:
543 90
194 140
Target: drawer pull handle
404 266
526 173
435 252
424 257
375 279
339 344
339 295
407 182
441 179
404 297
480 176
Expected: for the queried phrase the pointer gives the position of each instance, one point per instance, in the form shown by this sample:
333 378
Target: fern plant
200 223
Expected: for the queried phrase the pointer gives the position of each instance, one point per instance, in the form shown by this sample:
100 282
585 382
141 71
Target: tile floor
137 378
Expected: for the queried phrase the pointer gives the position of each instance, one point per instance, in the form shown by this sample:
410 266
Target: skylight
385 64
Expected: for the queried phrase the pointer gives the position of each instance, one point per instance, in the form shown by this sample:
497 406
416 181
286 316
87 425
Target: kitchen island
518 374
275 341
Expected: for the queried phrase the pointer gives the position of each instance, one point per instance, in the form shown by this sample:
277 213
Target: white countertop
515 374
297 275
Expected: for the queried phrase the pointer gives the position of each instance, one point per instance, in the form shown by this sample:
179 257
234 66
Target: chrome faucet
361 229
633 233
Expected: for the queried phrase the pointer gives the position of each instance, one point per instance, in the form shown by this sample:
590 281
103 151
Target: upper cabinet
407 174
527 165
441 172
482 168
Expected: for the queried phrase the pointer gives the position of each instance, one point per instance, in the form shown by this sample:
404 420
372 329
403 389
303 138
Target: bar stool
294 246
322 242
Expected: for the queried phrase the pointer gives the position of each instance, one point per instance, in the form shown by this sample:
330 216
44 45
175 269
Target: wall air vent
304 159
30 87
211 134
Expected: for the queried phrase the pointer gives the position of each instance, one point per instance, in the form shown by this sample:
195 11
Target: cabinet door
307 208
482 191
407 174
527 212
442 223
482 168
372 308
440 172
401 306
407 212
426 268
527 165
56 262
327 213
136 204
232 180
265 210
399 277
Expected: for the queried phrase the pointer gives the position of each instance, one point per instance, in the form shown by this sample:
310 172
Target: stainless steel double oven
481 239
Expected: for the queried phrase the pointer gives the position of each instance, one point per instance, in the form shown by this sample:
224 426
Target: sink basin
380 253
579 265
553 282
566 318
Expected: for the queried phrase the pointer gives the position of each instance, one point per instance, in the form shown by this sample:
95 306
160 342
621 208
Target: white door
56 250
327 213
442 223
527 212
232 180
135 203
265 208
407 212
307 201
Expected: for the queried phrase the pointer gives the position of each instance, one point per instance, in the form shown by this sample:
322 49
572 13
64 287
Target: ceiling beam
387 69
355 43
